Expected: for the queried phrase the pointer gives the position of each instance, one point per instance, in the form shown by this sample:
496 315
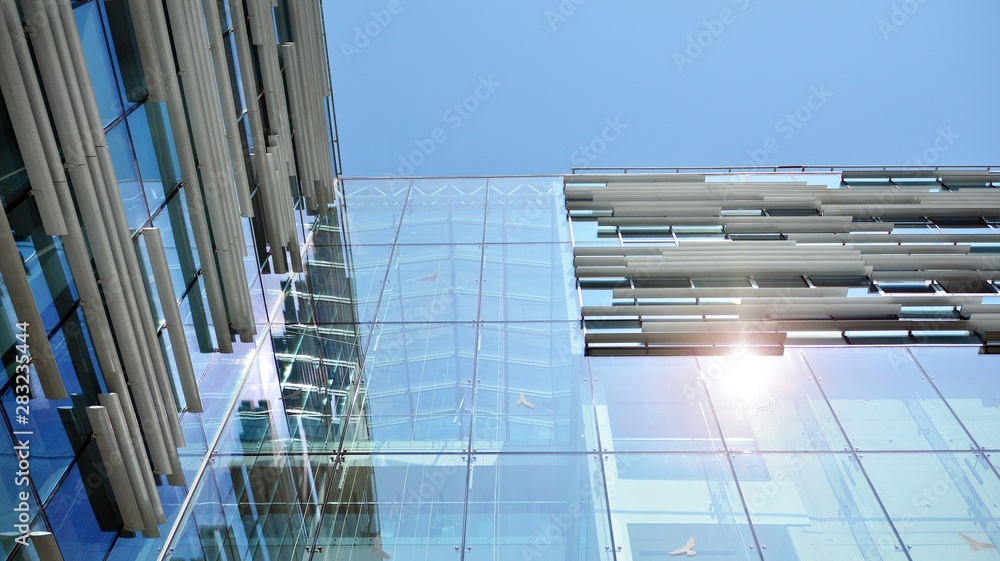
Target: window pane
155 152
95 50
884 401
770 403
128 177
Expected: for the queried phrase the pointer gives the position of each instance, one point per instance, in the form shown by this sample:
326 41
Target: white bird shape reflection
377 548
521 400
686 549
768 407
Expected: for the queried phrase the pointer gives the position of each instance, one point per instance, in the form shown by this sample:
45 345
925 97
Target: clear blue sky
519 87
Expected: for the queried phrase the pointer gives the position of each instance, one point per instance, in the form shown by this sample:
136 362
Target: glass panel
178 244
813 506
968 381
13 177
444 211
770 403
418 389
944 505
432 283
127 175
653 403
883 400
524 282
531 392
83 513
369 264
95 50
395 506
155 152
677 504
374 209
50 449
526 209
537 506
44 262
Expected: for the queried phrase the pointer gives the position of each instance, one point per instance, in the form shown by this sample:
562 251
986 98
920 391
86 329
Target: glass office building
219 349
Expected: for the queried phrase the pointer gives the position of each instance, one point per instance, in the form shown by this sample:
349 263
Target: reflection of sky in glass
435 402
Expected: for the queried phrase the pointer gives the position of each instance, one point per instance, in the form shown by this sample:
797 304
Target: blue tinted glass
944 505
813 506
884 401
82 512
514 498
444 211
374 209
531 389
968 381
44 262
95 50
526 209
128 177
653 403
677 505
50 447
530 281
16 490
419 380
155 153
770 403
432 283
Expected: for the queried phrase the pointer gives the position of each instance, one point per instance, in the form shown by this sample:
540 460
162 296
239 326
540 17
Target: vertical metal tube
130 462
114 464
178 341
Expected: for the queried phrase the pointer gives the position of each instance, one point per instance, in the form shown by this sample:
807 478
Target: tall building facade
219 349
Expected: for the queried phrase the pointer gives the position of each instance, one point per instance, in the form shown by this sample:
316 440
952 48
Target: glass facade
467 368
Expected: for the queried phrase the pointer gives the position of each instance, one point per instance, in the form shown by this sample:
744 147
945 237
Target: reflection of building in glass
244 359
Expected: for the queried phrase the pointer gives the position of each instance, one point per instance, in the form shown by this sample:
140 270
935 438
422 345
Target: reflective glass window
884 401
155 153
672 504
83 514
653 403
770 403
95 50
968 381
813 506
127 175
944 505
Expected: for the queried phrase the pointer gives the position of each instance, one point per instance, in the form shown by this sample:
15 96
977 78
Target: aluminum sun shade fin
221 64
45 546
178 339
135 477
840 243
77 253
83 166
114 464
202 97
114 215
273 191
189 173
16 279
26 132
